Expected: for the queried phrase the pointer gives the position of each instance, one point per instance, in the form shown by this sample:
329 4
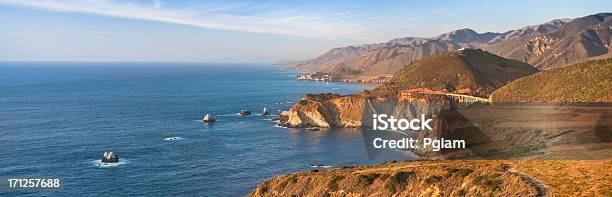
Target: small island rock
209 118
245 112
109 157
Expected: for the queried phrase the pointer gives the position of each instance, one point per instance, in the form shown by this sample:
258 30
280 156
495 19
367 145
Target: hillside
588 81
472 72
428 178
448 178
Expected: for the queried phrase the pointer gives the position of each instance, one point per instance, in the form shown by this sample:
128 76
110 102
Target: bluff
448 178
418 178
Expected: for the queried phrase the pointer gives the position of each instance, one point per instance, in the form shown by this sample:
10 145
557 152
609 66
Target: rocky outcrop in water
209 118
110 157
245 112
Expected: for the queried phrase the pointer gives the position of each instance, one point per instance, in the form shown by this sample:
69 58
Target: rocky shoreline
325 77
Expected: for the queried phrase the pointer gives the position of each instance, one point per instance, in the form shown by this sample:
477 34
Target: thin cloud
156 4
339 25
18 34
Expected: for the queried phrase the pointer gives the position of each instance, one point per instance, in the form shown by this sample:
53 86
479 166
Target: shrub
293 179
461 192
433 179
283 184
398 179
384 177
263 190
367 179
391 187
479 179
490 181
333 184
493 185
462 172
303 102
322 96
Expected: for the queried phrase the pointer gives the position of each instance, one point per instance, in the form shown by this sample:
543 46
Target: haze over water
56 119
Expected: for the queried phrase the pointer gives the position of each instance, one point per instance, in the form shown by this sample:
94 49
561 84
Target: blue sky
172 30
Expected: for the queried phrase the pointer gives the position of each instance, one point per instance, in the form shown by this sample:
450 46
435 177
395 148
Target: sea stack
265 112
109 157
208 118
245 112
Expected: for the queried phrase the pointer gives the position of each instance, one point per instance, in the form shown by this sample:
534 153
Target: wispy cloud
18 34
156 3
214 16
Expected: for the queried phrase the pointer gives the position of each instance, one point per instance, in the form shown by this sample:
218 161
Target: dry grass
571 177
582 82
411 178
449 178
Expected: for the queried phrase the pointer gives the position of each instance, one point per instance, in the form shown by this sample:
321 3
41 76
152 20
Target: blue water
56 119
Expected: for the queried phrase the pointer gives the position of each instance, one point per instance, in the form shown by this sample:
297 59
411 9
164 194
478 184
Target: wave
101 164
320 166
173 138
278 126
231 114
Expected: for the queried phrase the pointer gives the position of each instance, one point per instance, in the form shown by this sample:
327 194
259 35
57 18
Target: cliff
354 111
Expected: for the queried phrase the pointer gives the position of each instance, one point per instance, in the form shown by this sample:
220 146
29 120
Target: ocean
57 119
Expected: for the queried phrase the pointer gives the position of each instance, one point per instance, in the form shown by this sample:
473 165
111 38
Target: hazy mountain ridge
580 39
551 44
530 30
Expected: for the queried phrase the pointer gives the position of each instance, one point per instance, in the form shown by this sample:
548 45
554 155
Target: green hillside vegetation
588 81
469 71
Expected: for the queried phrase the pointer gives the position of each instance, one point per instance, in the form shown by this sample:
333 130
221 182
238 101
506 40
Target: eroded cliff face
333 111
357 110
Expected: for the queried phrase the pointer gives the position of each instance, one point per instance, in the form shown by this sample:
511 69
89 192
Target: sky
247 31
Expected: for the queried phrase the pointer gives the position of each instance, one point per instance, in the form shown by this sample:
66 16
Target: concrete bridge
460 98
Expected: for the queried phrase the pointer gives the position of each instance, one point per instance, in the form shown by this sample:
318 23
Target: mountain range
552 44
